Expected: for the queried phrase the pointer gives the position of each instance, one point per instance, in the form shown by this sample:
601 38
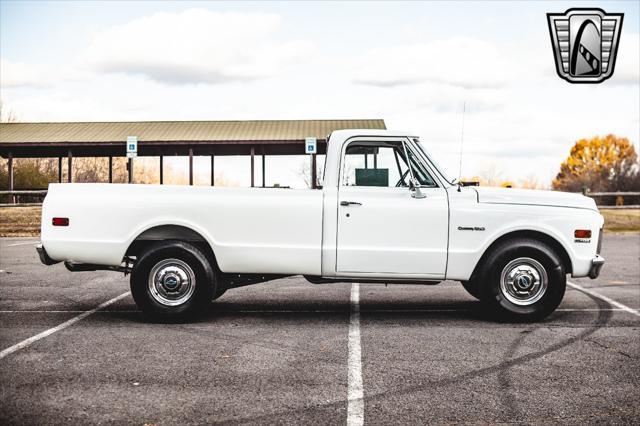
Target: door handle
350 203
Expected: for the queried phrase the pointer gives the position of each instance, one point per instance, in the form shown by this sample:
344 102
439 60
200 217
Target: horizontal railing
615 194
15 195
33 192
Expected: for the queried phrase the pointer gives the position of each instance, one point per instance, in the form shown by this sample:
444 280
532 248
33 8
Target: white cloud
521 117
627 70
463 62
195 46
17 74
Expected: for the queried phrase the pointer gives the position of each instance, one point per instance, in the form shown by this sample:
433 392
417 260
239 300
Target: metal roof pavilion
163 138
95 139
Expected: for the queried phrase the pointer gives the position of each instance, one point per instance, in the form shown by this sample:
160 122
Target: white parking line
355 392
22 244
62 326
605 298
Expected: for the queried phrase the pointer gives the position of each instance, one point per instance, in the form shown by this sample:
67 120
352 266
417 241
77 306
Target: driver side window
379 164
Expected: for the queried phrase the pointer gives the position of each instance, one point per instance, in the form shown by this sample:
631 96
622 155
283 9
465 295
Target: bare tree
304 172
7 116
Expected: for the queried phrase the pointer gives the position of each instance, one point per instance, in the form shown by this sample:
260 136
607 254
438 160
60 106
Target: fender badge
470 228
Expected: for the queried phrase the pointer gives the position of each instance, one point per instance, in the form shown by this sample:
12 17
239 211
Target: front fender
466 247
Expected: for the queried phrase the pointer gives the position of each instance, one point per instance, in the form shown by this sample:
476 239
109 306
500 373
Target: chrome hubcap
523 281
171 282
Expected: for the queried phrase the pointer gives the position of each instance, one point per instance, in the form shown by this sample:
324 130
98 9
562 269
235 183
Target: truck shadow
309 310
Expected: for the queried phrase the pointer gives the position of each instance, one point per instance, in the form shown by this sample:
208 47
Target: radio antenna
464 109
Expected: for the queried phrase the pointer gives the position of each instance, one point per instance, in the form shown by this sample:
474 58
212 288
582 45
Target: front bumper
596 265
44 257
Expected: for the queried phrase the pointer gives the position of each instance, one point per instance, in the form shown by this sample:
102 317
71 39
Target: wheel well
536 235
169 232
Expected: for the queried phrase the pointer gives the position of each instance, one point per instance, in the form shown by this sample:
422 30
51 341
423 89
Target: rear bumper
596 265
44 257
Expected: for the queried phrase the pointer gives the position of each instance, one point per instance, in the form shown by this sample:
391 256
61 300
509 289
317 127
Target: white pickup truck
386 214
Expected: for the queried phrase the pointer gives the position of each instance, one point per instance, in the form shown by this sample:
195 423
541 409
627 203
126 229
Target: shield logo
585 43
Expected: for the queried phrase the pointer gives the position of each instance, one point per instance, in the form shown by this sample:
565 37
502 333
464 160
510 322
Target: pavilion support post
130 170
161 170
213 169
253 154
110 169
263 172
69 166
59 169
314 172
10 171
190 166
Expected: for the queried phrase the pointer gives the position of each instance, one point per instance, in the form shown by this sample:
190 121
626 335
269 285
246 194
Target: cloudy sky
412 64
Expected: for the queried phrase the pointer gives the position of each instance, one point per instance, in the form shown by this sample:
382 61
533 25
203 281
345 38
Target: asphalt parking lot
290 352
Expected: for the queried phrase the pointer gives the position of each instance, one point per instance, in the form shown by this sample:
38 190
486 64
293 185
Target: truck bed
251 230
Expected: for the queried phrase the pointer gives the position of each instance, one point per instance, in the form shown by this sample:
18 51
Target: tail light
60 221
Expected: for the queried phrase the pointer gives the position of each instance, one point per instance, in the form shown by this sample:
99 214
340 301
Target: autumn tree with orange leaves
598 164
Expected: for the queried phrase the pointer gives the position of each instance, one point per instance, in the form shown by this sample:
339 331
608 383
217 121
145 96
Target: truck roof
348 133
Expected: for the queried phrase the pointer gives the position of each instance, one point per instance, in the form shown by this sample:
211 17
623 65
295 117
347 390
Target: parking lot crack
609 348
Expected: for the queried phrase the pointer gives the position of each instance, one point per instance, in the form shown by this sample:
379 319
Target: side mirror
414 187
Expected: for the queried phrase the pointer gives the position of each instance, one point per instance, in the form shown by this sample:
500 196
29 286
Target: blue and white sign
311 146
132 146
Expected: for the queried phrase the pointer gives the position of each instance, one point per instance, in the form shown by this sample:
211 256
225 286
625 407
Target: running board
321 280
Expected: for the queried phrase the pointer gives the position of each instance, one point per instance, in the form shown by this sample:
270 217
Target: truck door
383 229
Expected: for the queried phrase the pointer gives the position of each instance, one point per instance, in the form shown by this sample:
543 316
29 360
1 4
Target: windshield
430 158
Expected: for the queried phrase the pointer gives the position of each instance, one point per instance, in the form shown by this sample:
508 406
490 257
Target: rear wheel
522 280
219 293
173 280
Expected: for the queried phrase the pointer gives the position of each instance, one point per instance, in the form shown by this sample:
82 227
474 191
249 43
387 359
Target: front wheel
173 281
523 280
472 287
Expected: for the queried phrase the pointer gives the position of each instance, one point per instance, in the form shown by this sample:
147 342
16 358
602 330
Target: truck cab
386 209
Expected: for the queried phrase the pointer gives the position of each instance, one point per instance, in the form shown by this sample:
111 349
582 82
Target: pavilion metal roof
166 138
176 131
99 139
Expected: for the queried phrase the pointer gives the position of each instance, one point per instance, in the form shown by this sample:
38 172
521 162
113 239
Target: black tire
219 293
170 257
522 257
472 287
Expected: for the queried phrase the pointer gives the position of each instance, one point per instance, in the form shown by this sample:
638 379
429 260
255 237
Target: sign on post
132 146
310 146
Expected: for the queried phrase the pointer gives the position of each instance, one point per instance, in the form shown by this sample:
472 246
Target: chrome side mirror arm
414 187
